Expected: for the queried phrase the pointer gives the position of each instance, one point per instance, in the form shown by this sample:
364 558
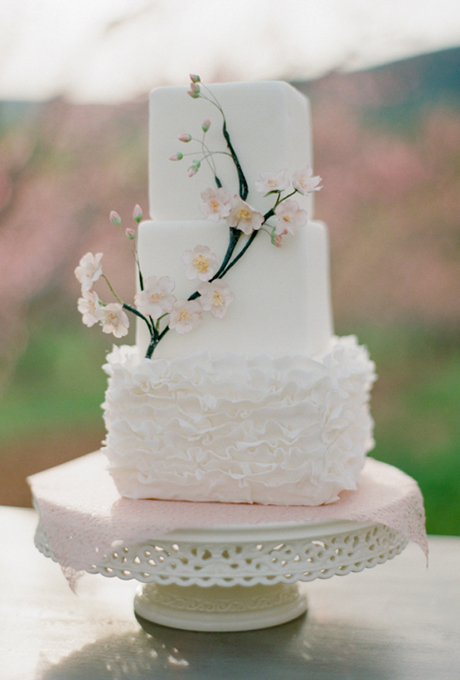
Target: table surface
398 621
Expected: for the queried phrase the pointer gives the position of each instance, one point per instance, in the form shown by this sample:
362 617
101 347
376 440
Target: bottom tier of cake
287 431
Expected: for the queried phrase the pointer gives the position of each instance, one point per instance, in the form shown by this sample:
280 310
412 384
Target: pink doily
85 518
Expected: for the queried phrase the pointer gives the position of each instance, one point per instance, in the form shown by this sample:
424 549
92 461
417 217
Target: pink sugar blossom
115 218
215 297
244 217
304 182
201 263
272 181
194 91
130 234
185 316
216 204
89 306
114 320
193 168
290 217
137 213
185 137
176 156
156 299
278 240
206 125
89 270
194 78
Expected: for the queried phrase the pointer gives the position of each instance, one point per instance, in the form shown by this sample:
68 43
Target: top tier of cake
269 124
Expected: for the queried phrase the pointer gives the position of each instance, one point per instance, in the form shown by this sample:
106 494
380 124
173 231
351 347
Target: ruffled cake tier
286 431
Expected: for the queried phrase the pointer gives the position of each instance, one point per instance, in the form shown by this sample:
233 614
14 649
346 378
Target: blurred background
384 82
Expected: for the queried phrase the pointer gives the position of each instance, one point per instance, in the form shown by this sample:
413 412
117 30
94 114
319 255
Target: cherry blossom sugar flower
304 182
114 319
243 216
185 316
272 181
89 270
278 239
290 217
115 218
201 263
89 306
156 299
193 168
216 204
215 297
194 91
137 214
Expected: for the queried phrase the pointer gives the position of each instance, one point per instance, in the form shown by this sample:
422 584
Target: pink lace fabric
85 518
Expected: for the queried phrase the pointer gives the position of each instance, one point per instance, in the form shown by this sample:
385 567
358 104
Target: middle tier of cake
282 298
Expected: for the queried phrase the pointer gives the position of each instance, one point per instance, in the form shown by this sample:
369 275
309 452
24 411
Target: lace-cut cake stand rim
240 578
238 575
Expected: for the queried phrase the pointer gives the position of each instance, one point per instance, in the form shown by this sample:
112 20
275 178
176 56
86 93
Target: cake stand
215 566
240 578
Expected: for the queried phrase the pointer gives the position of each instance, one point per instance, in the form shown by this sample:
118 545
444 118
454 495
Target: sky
114 50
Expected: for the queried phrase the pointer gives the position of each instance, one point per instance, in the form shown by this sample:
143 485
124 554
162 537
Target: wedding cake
237 389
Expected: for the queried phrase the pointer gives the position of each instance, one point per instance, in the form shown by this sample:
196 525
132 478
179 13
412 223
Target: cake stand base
220 609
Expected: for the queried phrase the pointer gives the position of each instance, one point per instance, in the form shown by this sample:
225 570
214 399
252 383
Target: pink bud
193 169
278 241
115 218
176 156
137 213
130 233
206 125
184 137
194 78
194 94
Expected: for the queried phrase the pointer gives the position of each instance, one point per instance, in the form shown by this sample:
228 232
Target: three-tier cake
262 404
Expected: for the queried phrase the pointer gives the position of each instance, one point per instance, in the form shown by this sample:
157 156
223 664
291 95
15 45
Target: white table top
397 621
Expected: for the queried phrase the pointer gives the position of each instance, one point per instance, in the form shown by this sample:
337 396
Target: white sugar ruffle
287 431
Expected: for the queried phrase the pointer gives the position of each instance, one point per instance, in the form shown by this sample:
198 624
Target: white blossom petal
89 270
114 319
185 316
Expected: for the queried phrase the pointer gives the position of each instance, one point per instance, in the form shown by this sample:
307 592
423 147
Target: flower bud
193 169
185 137
130 234
206 125
137 214
176 156
115 218
194 94
194 78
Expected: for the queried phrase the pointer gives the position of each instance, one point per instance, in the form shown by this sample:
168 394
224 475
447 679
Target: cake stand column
220 609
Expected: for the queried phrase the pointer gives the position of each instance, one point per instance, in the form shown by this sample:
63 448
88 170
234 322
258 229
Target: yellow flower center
184 315
155 297
287 218
217 300
272 182
214 203
201 263
243 214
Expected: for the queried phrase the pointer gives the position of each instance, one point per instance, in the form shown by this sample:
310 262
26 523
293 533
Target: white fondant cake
264 405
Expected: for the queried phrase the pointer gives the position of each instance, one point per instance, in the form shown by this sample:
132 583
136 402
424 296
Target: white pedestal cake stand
236 578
